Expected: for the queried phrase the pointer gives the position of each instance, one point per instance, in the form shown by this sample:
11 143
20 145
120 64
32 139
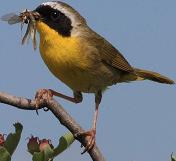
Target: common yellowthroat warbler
82 59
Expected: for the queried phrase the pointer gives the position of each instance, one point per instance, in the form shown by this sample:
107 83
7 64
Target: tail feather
145 74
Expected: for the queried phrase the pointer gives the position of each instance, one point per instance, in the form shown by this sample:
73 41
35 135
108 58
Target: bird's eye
55 15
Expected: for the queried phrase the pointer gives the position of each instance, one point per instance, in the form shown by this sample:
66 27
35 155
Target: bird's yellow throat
63 56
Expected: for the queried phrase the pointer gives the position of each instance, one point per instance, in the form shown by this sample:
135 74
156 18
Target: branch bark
59 112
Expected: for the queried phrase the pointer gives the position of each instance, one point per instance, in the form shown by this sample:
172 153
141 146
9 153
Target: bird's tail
153 76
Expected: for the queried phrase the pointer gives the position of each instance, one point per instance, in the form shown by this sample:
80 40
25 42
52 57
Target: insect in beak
25 17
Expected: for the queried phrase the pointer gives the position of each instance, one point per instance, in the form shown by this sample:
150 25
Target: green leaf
4 154
48 153
38 156
45 155
64 142
13 139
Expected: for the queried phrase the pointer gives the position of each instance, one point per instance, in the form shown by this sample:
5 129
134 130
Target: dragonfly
25 17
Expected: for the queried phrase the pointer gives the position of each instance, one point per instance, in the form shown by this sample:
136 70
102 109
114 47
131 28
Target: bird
82 59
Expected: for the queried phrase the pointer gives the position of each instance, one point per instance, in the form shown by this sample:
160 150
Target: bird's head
59 17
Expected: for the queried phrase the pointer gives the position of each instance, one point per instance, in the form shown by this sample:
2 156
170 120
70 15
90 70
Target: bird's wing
113 57
108 54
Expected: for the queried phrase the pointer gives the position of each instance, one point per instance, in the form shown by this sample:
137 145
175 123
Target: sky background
137 121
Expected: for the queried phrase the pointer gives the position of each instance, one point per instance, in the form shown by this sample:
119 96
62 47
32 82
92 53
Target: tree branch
59 112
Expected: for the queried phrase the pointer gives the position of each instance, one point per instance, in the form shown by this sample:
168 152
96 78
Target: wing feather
107 53
113 57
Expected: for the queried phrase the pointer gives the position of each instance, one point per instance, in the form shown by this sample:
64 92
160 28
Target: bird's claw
90 136
42 96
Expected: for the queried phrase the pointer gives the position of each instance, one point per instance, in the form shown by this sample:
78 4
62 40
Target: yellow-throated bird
81 58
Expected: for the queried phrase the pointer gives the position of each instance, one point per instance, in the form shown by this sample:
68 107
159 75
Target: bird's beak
36 15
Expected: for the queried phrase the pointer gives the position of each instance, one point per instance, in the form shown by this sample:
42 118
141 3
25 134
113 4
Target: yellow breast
64 57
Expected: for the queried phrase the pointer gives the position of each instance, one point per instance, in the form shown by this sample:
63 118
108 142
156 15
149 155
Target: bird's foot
90 136
43 96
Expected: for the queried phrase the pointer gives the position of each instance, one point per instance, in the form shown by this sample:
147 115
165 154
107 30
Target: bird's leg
77 96
92 133
47 94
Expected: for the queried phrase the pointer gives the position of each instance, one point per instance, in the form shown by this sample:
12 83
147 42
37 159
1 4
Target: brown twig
59 112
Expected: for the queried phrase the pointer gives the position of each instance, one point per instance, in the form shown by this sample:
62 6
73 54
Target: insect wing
11 18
